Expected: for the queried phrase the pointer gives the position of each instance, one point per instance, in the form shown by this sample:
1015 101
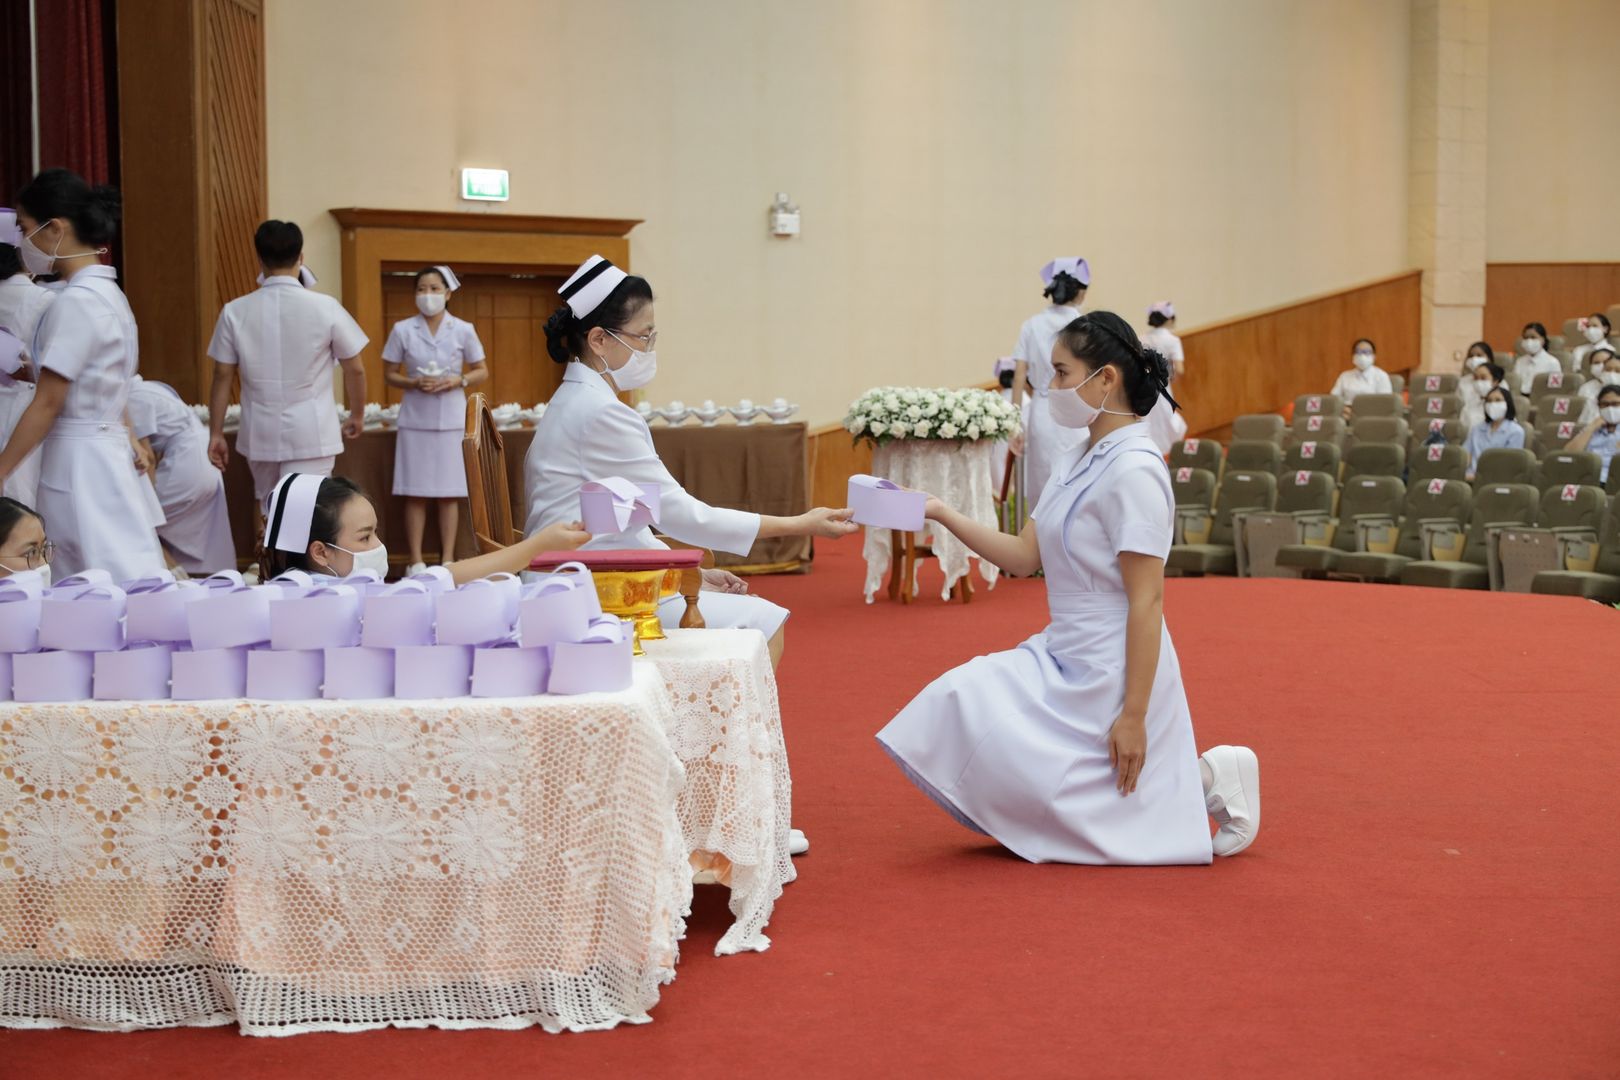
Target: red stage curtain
78 87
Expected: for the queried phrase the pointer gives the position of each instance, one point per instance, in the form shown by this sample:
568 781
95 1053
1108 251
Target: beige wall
1230 156
1554 160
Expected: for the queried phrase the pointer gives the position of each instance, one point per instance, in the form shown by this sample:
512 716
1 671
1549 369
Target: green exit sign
485 185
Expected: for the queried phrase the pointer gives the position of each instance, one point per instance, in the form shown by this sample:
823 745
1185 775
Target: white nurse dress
1045 441
22 304
197 526
88 486
427 453
587 433
1015 744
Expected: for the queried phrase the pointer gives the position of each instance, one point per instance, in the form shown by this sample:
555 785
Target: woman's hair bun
559 332
1145 392
1064 288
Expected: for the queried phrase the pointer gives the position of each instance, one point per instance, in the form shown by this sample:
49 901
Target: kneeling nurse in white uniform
1077 746
604 334
85 352
197 524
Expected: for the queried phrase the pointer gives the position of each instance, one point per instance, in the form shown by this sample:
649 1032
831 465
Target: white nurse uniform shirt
1045 440
22 304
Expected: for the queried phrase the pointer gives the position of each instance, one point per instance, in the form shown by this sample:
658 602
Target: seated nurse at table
326 525
23 545
433 357
604 335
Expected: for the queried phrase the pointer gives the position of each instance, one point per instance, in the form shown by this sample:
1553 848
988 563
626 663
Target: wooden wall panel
1548 293
238 174
1261 362
834 458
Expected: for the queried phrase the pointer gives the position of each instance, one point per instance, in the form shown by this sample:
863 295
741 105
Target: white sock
1207 774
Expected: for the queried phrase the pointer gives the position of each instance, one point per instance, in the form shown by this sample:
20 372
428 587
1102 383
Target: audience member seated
1533 358
1500 428
1487 377
1599 335
1364 376
1604 367
1602 436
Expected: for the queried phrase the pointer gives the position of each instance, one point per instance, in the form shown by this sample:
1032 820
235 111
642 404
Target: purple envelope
433 671
479 611
156 610
230 618
209 674
138 673
506 669
20 600
288 675
400 615
602 662
326 617
615 505
358 674
883 504
52 676
89 620
555 609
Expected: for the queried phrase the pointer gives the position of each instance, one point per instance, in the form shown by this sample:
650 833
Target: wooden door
509 312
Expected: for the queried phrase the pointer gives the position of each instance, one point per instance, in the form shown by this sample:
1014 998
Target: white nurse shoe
1233 798
798 843
416 568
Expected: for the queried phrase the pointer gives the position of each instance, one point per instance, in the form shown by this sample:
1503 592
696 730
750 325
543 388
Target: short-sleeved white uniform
197 526
1015 744
427 454
22 303
1045 440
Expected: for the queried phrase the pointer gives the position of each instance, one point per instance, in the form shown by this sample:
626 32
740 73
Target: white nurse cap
1163 307
291 512
10 231
1005 363
451 282
590 285
1072 265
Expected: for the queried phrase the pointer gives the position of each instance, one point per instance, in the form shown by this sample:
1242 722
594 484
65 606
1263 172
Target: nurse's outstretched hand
354 426
1127 750
219 453
562 537
828 524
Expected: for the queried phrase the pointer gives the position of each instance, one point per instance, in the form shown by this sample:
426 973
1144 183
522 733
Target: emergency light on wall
485 185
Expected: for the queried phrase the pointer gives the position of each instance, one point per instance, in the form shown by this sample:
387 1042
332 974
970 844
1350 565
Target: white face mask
1531 346
43 570
375 559
1363 360
637 371
1610 414
1483 387
35 261
1594 333
1068 409
1496 409
1597 370
1611 378
430 303
1473 362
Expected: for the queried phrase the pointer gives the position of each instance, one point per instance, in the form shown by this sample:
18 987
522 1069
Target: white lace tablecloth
338 866
959 474
727 733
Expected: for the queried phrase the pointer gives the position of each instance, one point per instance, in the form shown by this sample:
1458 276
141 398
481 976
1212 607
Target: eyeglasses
647 340
36 556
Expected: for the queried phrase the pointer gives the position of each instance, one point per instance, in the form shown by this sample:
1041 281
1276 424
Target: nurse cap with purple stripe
1163 307
1072 265
10 231
290 512
590 285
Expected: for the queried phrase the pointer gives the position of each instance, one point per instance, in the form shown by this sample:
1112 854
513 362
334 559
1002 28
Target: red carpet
1435 892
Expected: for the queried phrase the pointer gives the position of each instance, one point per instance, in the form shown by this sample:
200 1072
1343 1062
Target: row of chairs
1437 532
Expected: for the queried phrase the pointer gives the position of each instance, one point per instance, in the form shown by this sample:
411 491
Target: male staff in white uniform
284 339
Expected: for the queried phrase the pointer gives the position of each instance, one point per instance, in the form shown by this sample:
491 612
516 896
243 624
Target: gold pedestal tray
630 583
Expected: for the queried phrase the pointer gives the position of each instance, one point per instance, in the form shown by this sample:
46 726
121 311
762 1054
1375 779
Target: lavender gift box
60 675
86 620
5 676
400 615
615 505
20 598
506 669
230 618
326 617
138 673
433 671
291 584
601 662
77 583
286 674
883 504
224 579
156 609
436 578
209 674
556 609
358 673
479 611
365 582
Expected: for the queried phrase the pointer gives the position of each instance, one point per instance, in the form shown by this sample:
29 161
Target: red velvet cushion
622 559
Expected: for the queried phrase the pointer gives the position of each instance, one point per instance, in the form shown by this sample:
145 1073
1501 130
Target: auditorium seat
1204 454
1380 429
1613 486
1322 457
1558 407
1427 407
1561 467
1216 554
1437 461
1364 500
1435 382
1259 427
1568 514
1496 506
1318 405
1505 466
1438 503
1253 455
1397 383
1374 459
1314 427
1555 434
1376 405
1452 431
1553 384
1194 489
1304 499
1591 571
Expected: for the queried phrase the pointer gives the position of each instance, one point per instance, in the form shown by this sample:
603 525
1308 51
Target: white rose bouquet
886 414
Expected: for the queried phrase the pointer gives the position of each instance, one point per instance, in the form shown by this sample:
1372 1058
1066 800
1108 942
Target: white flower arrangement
891 413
